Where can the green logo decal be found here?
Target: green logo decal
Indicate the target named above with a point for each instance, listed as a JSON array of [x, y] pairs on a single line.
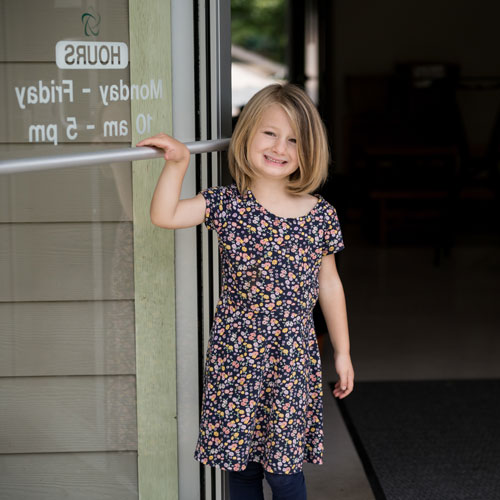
[[91, 22]]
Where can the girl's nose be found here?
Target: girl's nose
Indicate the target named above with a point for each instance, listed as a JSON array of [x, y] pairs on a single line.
[[279, 145]]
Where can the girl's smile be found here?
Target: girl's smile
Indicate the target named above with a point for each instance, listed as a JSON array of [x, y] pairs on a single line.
[[273, 149], [274, 160]]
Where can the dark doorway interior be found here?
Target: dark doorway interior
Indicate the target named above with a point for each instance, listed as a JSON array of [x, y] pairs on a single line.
[[412, 106], [410, 93]]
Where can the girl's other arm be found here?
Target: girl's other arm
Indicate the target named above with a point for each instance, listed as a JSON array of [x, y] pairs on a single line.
[[332, 302], [167, 210]]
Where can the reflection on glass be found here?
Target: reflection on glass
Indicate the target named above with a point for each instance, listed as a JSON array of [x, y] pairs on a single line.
[[67, 361], [259, 37]]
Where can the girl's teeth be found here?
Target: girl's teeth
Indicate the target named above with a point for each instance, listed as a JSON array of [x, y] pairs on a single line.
[[274, 161]]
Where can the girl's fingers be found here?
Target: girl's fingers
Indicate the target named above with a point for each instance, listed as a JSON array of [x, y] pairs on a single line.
[[174, 150], [153, 142], [344, 386], [157, 144], [160, 141], [343, 382]]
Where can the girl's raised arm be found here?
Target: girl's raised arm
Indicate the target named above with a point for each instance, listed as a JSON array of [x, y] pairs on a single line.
[[167, 210]]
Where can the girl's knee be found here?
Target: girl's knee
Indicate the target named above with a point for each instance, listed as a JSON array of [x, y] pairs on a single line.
[[252, 472], [287, 486], [247, 484]]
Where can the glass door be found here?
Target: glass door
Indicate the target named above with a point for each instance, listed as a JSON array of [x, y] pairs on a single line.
[[100, 311]]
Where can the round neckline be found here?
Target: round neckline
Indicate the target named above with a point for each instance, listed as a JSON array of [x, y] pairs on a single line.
[[300, 217]]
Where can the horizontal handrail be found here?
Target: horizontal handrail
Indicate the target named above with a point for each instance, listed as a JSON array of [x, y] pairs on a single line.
[[98, 157]]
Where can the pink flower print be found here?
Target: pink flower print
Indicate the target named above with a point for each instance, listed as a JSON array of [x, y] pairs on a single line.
[[263, 292]]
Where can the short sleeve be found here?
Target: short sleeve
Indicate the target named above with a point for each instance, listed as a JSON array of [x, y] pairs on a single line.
[[333, 241], [215, 211]]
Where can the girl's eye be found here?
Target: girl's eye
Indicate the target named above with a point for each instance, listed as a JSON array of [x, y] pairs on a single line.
[[293, 141], [268, 132]]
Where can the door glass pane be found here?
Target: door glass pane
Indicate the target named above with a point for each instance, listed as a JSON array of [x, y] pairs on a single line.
[[259, 43], [67, 357]]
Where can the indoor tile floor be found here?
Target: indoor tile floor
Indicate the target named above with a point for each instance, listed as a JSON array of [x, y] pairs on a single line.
[[409, 320]]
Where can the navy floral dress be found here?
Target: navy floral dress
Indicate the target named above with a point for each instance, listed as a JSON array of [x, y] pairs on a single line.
[[262, 397]]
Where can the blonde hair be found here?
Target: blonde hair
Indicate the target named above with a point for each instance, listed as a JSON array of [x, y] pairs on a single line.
[[312, 143]]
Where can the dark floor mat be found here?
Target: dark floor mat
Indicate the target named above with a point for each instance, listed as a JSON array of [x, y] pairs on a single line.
[[428, 440]]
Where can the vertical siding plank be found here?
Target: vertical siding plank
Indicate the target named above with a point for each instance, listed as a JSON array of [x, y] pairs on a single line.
[[150, 57]]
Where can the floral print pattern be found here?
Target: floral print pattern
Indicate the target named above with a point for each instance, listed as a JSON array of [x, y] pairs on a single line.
[[262, 397]]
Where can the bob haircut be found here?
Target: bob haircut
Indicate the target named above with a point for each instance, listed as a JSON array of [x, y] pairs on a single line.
[[312, 144]]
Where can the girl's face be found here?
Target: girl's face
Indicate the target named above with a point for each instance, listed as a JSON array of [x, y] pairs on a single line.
[[273, 150]]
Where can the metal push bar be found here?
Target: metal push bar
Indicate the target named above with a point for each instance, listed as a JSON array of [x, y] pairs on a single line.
[[98, 157]]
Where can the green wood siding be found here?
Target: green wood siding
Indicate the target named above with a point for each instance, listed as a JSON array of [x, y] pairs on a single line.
[[154, 266]]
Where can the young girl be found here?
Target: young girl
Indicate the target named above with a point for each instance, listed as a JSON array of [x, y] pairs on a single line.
[[262, 406]]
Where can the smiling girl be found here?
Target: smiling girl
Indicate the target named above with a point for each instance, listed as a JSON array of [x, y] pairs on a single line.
[[262, 402]]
